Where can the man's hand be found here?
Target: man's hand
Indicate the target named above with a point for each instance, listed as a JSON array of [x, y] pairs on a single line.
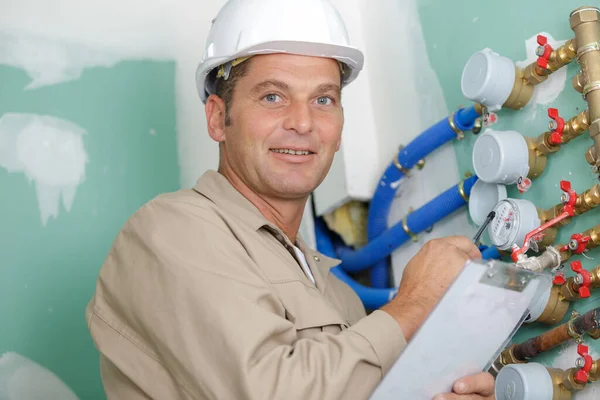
[[474, 387], [426, 278]]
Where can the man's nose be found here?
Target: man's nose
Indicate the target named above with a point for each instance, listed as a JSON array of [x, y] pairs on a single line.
[[299, 118]]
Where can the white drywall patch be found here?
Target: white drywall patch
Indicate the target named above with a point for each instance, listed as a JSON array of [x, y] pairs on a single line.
[[110, 31], [549, 90], [49, 62], [404, 106], [50, 152], [567, 355], [23, 379]]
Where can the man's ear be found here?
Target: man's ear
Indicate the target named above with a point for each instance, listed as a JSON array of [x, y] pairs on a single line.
[[215, 117]]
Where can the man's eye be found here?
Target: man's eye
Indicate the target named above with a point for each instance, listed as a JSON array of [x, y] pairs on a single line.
[[272, 98], [324, 101]]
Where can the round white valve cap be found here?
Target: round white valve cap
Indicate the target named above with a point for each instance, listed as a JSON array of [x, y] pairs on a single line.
[[530, 381], [484, 197], [488, 78], [500, 157]]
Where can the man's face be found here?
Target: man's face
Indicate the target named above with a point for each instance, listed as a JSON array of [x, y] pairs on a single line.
[[286, 124]]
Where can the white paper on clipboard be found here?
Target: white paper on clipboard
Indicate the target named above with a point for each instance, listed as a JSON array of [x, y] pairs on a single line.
[[466, 331]]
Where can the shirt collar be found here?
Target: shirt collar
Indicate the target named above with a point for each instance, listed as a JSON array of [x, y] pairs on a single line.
[[220, 191]]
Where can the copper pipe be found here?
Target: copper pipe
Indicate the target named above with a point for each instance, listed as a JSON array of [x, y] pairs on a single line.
[[562, 333], [585, 22]]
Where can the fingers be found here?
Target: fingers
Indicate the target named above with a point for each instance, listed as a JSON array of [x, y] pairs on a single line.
[[482, 383], [475, 387], [466, 245], [453, 396]]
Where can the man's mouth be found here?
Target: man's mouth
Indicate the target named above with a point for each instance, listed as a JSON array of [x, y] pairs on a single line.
[[293, 152]]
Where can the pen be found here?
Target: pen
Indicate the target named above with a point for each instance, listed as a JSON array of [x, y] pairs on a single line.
[[490, 217]]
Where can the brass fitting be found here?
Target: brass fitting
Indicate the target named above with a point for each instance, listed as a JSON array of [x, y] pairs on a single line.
[[569, 292], [578, 83], [562, 56], [539, 147], [521, 92], [595, 371], [568, 380], [507, 357], [537, 157], [559, 57], [585, 22], [588, 200], [480, 108], [591, 156], [565, 254], [560, 392], [550, 233], [594, 333], [565, 251], [576, 126], [556, 308]]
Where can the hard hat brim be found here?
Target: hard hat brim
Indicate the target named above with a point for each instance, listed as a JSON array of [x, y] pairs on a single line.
[[352, 57]]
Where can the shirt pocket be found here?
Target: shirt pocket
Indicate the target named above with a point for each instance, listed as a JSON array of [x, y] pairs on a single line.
[[308, 310]]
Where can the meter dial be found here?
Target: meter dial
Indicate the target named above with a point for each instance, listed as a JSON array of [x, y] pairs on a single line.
[[514, 219]]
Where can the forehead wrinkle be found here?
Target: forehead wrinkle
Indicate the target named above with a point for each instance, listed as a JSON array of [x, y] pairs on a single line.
[[268, 83]]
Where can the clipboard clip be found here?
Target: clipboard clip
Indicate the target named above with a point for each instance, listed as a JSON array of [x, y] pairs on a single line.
[[505, 276]]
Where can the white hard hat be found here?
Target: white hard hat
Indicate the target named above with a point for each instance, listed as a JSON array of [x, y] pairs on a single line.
[[245, 28]]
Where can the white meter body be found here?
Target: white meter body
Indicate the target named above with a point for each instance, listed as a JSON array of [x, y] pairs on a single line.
[[530, 381], [514, 219], [500, 157]]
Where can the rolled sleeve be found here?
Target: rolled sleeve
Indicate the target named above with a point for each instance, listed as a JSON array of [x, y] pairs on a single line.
[[385, 336]]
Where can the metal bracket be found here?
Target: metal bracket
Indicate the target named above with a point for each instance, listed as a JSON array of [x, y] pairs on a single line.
[[510, 278], [461, 191], [413, 236], [459, 134], [571, 329], [406, 171]]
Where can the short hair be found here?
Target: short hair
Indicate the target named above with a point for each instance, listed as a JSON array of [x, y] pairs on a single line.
[[225, 88]]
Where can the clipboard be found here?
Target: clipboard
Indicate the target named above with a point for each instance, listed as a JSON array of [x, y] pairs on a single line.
[[466, 331]]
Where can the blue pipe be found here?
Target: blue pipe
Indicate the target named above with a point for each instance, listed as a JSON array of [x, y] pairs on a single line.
[[417, 221], [490, 253], [421, 146], [371, 298], [465, 118]]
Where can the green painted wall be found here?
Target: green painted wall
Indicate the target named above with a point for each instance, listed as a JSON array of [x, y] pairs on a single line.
[[453, 32], [48, 273]]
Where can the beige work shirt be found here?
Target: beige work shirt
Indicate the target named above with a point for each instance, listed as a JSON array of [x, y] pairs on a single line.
[[200, 297]]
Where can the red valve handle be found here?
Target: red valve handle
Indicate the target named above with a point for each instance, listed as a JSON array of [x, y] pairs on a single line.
[[567, 211], [542, 60], [583, 373], [582, 242], [569, 206], [584, 288], [557, 134], [559, 279]]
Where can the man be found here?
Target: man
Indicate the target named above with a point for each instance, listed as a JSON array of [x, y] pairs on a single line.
[[209, 293]]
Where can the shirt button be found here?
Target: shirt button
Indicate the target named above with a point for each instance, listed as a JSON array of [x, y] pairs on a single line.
[[317, 258]]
